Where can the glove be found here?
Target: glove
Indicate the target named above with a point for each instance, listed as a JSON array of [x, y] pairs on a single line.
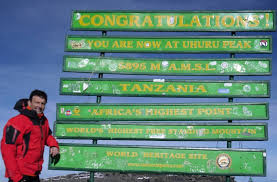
[[55, 159]]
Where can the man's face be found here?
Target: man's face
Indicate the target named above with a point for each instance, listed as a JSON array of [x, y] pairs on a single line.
[[37, 103]]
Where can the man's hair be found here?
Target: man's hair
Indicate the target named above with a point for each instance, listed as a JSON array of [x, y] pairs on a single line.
[[39, 93]]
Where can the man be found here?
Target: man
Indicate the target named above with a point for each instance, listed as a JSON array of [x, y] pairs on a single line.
[[24, 138]]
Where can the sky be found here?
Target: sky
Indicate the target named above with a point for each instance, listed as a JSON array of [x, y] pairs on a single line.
[[32, 35]]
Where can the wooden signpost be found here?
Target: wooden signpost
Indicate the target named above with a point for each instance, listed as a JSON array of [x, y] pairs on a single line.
[[235, 66], [198, 44], [162, 160], [121, 121], [161, 131]]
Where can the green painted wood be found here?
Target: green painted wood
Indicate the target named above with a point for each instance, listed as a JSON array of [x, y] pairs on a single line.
[[160, 131], [164, 88], [253, 20], [162, 112], [204, 44], [238, 162], [239, 66]]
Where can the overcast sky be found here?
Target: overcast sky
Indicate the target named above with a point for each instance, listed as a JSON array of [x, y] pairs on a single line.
[[32, 34]]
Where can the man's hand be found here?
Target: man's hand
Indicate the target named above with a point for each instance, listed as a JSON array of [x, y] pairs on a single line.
[[54, 151], [55, 155]]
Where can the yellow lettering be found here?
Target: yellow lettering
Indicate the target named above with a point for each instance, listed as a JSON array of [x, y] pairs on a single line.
[[100, 20], [241, 21], [255, 21], [172, 67], [128, 112], [170, 22], [185, 66], [195, 20], [147, 20], [168, 45], [181, 22], [208, 44], [208, 67], [215, 44], [158, 87], [175, 43], [124, 86], [170, 87], [217, 21], [197, 67], [140, 44], [134, 20], [239, 45], [160, 20], [147, 87], [115, 44], [90, 42], [156, 44], [225, 43], [109, 21], [201, 88], [81, 20], [136, 87], [231, 22], [120, 112], [247, 44], [180, 87], [198, 156], [208, 20], [97, 112], [129, 44], [185, 44], [121, 20], [156, 66], [69, 130]]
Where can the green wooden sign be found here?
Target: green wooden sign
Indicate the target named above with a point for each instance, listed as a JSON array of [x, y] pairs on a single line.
[[235, 162], [174, 20], [238, 66], [207, 44], [163, 88], [161, 131], [163, 112]]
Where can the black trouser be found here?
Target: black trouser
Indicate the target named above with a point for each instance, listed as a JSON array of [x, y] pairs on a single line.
[[28, 179]]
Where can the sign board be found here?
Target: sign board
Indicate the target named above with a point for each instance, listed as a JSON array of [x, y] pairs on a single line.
[[174, 20], [160, 131], [163, 88], [162, 112], [237, 66], [204, 44], [233, 162]]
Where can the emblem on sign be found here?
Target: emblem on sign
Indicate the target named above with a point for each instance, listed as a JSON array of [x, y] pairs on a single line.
[[68, 112], [77, 44], [263, 43], [76, 111], [223, 161]]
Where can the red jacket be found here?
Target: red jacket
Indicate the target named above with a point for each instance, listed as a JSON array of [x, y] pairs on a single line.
[[22, 145]]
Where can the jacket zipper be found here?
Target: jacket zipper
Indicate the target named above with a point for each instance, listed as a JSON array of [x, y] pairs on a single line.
[[41, 132]]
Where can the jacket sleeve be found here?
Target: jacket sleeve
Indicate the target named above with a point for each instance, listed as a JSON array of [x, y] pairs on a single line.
[[51, 141], [12, 138]]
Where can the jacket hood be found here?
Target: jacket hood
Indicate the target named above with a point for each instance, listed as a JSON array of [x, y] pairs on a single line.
[[21, 104]]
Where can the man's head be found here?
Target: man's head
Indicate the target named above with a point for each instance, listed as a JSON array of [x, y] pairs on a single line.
[[37, 101]]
